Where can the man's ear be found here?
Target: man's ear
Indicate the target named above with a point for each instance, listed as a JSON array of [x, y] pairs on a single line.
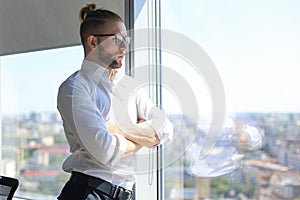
[[92, 42]]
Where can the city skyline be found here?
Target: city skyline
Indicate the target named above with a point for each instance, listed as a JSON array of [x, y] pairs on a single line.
[[254, 46]]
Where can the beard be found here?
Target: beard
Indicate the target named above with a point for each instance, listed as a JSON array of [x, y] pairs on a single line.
[[111, 62], [115, 64], [108, 59]]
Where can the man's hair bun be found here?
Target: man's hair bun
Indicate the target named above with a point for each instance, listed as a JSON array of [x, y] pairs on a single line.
[[95, 20], [86, 10]]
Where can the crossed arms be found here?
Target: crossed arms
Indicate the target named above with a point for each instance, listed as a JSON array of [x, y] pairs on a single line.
[[135, 141]]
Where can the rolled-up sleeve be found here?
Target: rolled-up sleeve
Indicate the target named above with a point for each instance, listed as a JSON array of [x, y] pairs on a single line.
[[87, 125], [154, 116], [131, 104]]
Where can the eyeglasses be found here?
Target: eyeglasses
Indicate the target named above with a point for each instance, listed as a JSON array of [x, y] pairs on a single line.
[[119, 39]]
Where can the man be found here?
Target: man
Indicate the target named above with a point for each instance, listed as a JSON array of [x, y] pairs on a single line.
[[102, 154]]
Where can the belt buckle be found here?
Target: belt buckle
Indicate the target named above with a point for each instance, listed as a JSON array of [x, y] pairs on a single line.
[[115, 194]]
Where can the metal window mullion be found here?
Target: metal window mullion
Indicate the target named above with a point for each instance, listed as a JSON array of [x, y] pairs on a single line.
[[129, 22], [158, 63], [155, 90]]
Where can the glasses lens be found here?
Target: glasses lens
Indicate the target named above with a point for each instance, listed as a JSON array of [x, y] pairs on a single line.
[[127, 40], [120, 39]]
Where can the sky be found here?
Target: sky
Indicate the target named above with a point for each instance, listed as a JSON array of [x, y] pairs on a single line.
[[255, 46], [30, 81]]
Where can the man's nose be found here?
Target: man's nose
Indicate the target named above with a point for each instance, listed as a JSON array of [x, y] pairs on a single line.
[[124, 46]]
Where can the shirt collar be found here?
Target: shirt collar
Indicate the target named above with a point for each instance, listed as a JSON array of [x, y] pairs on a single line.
[[98, 72]]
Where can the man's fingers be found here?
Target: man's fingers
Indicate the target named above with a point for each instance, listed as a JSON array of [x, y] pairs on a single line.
[[141, 120]]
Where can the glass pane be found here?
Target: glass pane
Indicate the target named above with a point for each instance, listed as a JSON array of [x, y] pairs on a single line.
[[146, 182], [33, 141], [254, 48]]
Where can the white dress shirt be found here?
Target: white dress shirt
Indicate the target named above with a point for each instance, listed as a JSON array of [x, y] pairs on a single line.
[[85, 104]]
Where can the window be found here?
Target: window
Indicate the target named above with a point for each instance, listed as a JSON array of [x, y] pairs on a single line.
[[253, 47], [33, 141]]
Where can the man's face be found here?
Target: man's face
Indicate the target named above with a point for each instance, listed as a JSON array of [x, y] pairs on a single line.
[[109, 52]]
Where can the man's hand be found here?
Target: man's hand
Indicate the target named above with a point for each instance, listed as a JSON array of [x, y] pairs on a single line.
[[112, 128], [140, 120], [147, 141], [144, 141], [131, 148]]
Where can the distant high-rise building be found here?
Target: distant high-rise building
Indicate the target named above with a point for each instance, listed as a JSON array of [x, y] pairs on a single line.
[[285, 185], [289, 154]]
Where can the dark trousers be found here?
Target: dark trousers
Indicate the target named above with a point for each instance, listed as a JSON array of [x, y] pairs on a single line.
[[85, 187]]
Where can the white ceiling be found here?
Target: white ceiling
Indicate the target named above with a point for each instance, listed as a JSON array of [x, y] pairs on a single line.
[[31, 25]]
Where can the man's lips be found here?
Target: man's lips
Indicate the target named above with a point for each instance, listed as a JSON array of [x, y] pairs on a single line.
[[120, 57]]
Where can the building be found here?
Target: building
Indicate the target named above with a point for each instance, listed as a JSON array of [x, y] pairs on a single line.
[[289, 154], [285, 185]]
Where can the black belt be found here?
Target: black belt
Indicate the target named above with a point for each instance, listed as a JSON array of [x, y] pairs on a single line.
[[114, 191]]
